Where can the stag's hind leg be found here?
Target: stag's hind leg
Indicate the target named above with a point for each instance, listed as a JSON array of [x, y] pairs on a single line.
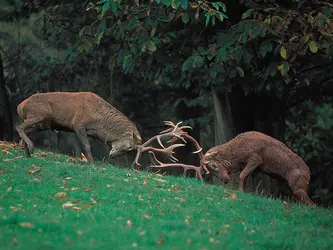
[[253, 162]]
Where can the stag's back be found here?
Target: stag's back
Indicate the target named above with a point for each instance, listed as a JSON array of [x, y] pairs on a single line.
[[275, 154], [70, 109]]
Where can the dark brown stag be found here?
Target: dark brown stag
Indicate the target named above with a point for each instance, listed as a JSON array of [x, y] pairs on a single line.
[[245, 153]]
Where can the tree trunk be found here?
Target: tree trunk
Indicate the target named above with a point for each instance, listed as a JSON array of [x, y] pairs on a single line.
[[6, 121], [223, 124]]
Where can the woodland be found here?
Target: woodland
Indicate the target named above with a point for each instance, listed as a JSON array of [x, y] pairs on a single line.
[[222, 67]]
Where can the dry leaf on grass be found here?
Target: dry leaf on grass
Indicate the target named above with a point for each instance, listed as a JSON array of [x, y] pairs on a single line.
[[232, 196], [147, 216], [160, 241], [93, 201], [83, 158], [67, 204], [145, 183], [5, 152], [27, 224], [140, 197], [61, 196], [129, 223], [76, 208], [33, 171], [159, 180], [180, 199], [86, 205]]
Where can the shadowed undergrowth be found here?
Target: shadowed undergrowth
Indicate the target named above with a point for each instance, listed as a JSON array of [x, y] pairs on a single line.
[[54, 202]]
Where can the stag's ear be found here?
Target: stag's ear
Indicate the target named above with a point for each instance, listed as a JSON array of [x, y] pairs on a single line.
[[210, 154], [137, 138]]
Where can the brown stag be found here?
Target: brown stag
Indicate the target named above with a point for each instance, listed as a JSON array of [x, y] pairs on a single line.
[[245, 153]]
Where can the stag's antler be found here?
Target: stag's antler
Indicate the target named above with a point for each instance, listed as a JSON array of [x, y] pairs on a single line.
[[175, 132], [158, 164]]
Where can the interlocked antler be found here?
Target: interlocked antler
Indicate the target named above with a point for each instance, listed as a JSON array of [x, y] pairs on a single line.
[[174, 132]]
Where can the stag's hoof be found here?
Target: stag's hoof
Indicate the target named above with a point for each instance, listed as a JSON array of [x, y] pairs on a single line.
[[31, 148]]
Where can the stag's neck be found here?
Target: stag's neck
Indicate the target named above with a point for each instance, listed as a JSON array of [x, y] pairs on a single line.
[[114, 125]]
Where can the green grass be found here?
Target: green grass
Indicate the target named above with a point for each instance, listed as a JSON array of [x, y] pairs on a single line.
[[116, 208]]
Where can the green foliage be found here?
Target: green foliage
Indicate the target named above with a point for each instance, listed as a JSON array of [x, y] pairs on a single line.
[[315, 123], [141, 210]]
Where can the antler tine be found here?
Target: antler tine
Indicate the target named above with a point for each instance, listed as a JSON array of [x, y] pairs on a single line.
[[153, 158], [197, 170], [171, 125]]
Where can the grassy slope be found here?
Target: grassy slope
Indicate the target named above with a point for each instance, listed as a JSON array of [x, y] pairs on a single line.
[[141, 210]]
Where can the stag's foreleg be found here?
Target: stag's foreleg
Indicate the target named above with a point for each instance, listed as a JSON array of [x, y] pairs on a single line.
[[252, 163], [82, 135], [27, 127]]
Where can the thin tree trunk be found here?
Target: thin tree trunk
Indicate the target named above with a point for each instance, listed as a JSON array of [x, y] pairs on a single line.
[[6, 121], [223, 124]]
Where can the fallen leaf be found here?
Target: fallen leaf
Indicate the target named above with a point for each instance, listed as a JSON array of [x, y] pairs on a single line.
[[161, 240], [67, 204], [147, 216], [5, 160], [83, 158], [145, 183], [86, 189], [74, 188], [76, 208], [27, 224], [140, 197], [93, 201], [134, 244], [159, 180], [187, 221], [36, 180], [222, 232], [9, 189], [161, 212], [68, 178], [54, 221], [5, 152], [179, 199], [211, 240], [232, 196], [129, 223], [61, 196], [33, 171], [86, 205]]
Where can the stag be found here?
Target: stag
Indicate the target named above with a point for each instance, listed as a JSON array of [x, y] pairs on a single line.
[[245, 153]]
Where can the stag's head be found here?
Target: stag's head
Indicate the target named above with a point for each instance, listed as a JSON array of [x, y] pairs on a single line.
[[129, 142], [216, 164]]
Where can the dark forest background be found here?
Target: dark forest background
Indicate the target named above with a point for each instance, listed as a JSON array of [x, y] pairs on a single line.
[[221, 67]]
